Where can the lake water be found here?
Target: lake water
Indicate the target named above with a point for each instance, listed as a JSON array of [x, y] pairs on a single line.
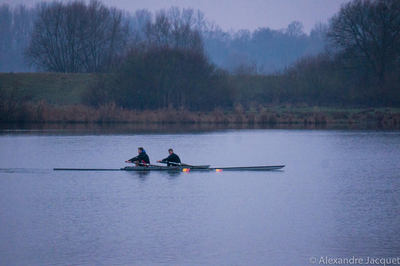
[[338, 196]]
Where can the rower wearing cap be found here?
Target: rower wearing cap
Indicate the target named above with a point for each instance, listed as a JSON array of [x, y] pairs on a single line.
[[172, 159], [141, 160]]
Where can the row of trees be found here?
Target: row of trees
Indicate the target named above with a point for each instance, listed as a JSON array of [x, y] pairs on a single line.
[[264, 50], [73, 28], [75, 37]]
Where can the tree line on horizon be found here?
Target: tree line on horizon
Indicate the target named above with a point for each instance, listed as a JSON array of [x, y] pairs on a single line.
[[263, 51], [166, 60]]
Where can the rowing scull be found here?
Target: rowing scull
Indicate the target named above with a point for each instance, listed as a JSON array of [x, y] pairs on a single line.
[[179, 168]]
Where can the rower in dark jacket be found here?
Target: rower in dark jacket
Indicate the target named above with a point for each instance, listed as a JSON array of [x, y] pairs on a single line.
[[141, 160], [172, 159]]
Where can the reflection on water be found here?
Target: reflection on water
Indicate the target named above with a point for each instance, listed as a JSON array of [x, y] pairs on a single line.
[[144, 174], [336, 197]]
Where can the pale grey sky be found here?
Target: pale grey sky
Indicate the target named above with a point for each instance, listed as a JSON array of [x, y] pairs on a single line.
[[240, 14]]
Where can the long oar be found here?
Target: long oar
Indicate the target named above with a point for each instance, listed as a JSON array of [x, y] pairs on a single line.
[[85, 169]]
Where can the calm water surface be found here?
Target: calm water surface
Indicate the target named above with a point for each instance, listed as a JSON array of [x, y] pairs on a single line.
[[338, 196]]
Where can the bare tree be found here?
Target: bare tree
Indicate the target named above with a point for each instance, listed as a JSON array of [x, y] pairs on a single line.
[[176, 28], [295, 29], [75, 37], [369, 31], [138, 22]]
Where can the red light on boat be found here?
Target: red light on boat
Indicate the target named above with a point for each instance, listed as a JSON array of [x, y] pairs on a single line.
[[186, 170], [218, 170]]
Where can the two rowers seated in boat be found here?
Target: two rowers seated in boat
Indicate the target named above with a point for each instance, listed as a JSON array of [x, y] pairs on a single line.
[[143, 159]]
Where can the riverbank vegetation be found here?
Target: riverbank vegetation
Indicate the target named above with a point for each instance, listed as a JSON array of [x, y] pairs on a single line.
[[42, 112]]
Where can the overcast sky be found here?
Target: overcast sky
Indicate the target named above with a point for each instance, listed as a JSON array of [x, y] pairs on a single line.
[[240, 14]]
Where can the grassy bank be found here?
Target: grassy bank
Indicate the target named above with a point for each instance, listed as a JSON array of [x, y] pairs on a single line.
[[52, 88], [59, 98]]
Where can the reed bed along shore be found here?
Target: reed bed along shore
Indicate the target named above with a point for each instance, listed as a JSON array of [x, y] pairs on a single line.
[[46, 113]]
